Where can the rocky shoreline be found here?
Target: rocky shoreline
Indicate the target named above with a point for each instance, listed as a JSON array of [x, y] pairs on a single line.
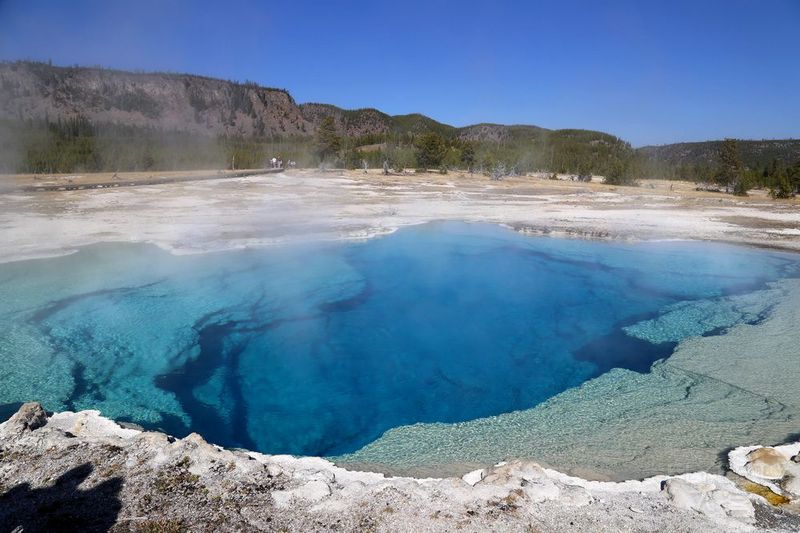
[[81, 471]]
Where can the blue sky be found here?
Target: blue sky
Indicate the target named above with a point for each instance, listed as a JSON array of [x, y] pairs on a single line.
[[650, 72]]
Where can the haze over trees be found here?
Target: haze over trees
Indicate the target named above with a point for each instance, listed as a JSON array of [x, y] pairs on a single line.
[[61, 120]]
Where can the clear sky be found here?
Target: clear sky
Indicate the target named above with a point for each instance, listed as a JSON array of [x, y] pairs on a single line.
[[647, 71]]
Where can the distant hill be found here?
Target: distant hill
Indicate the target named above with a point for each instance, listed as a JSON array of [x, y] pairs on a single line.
[[365, 122], [196, 104], [500, 133], [65, 118], [350, 123], [755, 154]]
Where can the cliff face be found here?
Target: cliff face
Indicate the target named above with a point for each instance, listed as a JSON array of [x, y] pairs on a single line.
[[182, 102], [161, 101]]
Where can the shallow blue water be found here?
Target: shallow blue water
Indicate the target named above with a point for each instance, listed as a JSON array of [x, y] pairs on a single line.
[[320, 349]]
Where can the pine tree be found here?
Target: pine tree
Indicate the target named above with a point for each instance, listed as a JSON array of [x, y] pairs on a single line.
[[794, 177], [327, 141], [431, 149], [730, 172], [784, 187], [468, 155]]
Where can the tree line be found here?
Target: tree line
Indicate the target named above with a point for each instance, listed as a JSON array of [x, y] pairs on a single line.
[[576, 152], [782, 180], [78, 145]]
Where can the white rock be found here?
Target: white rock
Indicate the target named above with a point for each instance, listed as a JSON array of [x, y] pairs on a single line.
[[513, 473], [576, 496], [325, 476], [682, 494], [282, 498], [313, 492], [735, 505], [792, 469], [273, 470], [767, 463], [541, 490], [791, 484], [707, 499], [459, 491], [91, 425], [29, 417], [473, 477], [352, 489]]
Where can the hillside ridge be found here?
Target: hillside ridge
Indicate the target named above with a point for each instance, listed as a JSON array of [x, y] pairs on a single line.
[[200, 104], [78, 102]]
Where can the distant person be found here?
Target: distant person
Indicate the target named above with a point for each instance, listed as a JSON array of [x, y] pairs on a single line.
[[274, 162]]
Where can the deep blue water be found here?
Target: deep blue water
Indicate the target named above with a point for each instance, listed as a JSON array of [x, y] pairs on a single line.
[[319, 349]]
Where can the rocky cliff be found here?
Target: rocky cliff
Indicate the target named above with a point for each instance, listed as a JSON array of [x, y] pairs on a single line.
[[180, 102], [194, 104]]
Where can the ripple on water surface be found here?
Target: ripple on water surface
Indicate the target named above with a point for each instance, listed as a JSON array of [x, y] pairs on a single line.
[[322, 349]]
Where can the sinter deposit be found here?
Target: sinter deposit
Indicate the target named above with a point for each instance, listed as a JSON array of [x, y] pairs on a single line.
[[105, 476]]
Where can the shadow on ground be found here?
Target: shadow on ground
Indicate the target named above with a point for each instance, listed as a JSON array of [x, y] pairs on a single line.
[[63, 506]]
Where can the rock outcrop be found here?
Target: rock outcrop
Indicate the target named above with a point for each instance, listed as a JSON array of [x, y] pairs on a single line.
[[709, 499], [29, 417], [180, 102], [775, 468], [767, 463], [81, 468], [201, 105]]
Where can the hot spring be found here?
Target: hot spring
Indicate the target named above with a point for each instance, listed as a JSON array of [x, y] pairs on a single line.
[[437, 347]]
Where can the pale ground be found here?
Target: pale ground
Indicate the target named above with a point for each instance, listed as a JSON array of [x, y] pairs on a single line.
[[8, 181], [82, 470], [260, 210], [311, 494]]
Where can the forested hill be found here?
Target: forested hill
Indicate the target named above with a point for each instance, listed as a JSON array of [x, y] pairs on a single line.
[[59, 119], [201, 105], [692, 158], [64, 119], [182, 102]]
